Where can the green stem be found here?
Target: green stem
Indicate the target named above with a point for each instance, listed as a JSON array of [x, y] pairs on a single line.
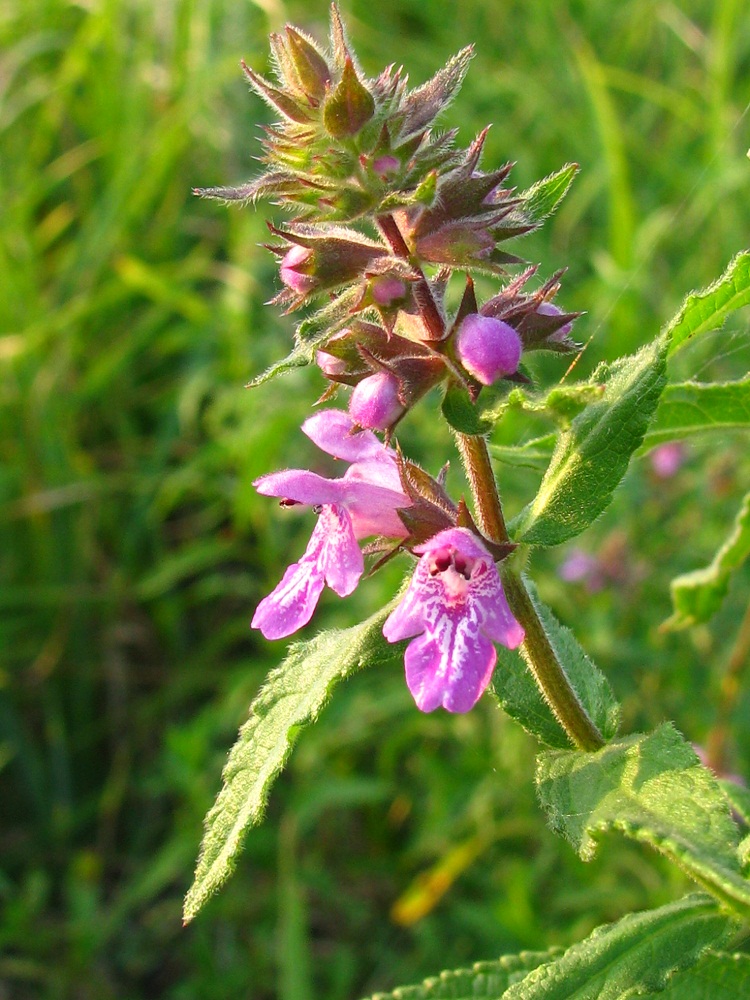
[[476, 461], [547, 671], [536, 649]]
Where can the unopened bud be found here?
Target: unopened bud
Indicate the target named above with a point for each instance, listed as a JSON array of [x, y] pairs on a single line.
[[550, 309], [291, 274], [386, 290], [330, 365], [385, 166], [349, 107], [488, 348], [375, 403]]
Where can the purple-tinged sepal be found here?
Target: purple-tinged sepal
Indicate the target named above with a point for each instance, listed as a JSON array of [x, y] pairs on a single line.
[[349, 107]]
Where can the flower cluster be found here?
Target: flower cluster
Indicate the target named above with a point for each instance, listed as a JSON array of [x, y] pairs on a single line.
[[386, 212]]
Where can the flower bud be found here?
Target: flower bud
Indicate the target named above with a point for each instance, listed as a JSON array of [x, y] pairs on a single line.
[[375, 402], [488, 348], [349, 107], [291, 274], [550, 309], [330, 365], [386, 290], [386, 165]]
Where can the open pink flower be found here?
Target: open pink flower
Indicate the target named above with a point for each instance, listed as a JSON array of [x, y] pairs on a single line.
[[362, 502], [455, 607]]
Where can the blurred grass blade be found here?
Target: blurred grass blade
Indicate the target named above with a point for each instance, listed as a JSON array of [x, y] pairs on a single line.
[[293, 695], [653, 789], [708, 309], [698, 595]]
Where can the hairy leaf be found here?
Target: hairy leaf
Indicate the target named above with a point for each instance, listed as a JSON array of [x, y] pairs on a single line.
[[519, 695], [715, 977], [697, 596], [541, 199], [483, 981], [653, 789], [696, 407], [739, 799], [592, 456], [628, 958], [299, 357], [293, 695], [708, 309]]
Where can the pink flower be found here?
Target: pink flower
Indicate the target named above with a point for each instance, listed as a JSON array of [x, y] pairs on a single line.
[[455, 607], [667, 459], [362, 502]]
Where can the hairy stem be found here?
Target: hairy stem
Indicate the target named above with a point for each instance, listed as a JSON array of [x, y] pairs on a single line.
[[476, 461], [536, 648], [547, 671]]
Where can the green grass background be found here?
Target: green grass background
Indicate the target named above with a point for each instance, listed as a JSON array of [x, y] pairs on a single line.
[[133, 548]]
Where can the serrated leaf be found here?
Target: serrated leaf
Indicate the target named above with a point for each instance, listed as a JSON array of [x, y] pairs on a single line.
[[483, 981], [694, 408], [708, 309], [292, 696], [541, 199], [592, 456], [715, 977], [518, 693], [653, 789], [697, 596], [628, 958]]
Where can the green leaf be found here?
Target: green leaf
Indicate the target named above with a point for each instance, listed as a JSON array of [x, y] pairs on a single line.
[[299, 357], [696, 407], [739, 798], [653, 789], [697, 596], [592, 456], [708, 309], [715, 977], [519, 695], [531, 454], [483, 981], [628, 958], [293, 695], [541, 199], [465, 416]]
